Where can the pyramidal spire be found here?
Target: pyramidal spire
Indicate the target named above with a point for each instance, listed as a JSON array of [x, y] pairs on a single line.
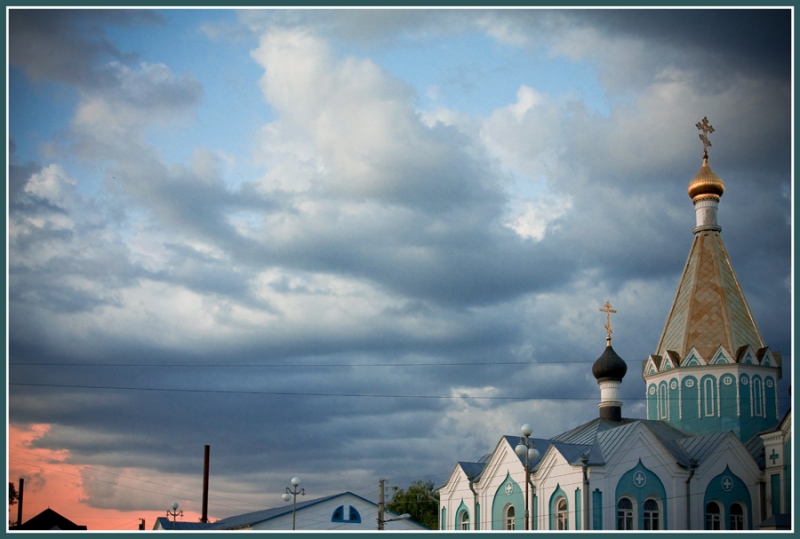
[[709, 309]]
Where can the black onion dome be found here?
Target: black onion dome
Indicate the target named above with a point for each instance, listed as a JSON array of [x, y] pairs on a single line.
[[609, 366]]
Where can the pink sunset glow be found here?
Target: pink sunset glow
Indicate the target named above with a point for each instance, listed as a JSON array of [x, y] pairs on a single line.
[[52, 482]]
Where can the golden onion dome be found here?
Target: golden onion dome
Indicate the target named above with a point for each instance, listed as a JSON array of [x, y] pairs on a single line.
[[706, 182]]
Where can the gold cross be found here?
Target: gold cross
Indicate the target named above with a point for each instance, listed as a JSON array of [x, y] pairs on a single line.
[[706, 129], [608, 310]]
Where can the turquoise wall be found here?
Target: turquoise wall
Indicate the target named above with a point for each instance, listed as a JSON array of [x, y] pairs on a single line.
[[639, 484], [559, 493], [461, 509], [597, 509], [502, 498], [727, 489], [707, 404]]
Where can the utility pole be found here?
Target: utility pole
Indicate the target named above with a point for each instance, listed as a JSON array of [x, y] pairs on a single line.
[[380, 503], [204, 516], [19, 500]]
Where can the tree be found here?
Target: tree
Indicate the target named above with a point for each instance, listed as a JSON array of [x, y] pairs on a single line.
[[13, 495], [420, 501]]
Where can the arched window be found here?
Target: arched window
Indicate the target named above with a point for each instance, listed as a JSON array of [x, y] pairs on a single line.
[[624, 514], [712, 516], [709, 396], [509, 518], [662, 401], [651, 515], [561, 514], [737, 517], [758, 396], [463, 521]]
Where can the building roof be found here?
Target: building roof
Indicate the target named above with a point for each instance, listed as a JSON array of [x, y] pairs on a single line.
[[164, 523], [49, 520], [248, 520], [709, 308]]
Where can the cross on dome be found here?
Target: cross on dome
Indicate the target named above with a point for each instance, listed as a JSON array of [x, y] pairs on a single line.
[[706, 129], [608, 310]]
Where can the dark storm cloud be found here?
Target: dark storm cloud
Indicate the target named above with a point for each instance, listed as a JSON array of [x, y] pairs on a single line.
[[392, 252], [67, 45], [720, 42]]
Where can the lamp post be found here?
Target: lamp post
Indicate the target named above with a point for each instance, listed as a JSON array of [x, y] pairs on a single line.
[[293, 493], [174, 514], [526, 448]]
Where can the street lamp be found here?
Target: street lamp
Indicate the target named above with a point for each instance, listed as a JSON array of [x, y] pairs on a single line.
[[175, 513], [293, 493], [526, 448]]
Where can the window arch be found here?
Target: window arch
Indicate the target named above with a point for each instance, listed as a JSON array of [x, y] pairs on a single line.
[[736, 517], [463, 520], [713, 516], [561, 514], [652, 515], [508, 518], [709, 398], [624, 514], [663, 401], [758, 396]]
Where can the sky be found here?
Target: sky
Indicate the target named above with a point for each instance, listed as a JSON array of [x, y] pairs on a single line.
[[355, 244]]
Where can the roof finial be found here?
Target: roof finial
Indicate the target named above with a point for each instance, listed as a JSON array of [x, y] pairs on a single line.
[[608, 310], [706, 129]]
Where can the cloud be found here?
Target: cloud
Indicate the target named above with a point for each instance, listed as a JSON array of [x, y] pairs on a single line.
[[67, 45], [387, 280]]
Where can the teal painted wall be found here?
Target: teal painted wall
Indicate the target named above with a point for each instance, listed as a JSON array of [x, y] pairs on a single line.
[[652, 401], [597, 509], [639, 484], [461, 509], [727, 489], [502, 499], [775, 492], [674, 400], [705, 404], [787, 474], [578, 509], [559, 493]]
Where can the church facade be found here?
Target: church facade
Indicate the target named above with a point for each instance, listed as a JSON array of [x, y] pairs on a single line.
[[713, 452]]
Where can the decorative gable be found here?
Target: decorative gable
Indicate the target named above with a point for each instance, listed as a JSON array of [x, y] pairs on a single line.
[[651, 365], [767, 359], [667, 364], [746, 356], [693, 359], [721, 357]]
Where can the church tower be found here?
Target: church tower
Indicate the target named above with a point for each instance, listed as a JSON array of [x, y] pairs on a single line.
[[711, 371]]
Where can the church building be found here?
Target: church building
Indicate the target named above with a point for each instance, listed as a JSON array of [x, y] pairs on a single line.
[[713, 452]]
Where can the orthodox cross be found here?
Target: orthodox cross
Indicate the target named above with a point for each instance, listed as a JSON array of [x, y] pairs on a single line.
[[774, 456], [706, 129], [608, 310]]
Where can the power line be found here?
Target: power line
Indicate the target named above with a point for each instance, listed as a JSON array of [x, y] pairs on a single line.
[[307, 394], [295, 365]]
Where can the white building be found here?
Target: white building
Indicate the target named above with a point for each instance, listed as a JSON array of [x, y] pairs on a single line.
[[342, 512], [713, 452]]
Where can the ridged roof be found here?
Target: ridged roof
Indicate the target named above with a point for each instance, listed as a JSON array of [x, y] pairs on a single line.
[[709, 309]]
